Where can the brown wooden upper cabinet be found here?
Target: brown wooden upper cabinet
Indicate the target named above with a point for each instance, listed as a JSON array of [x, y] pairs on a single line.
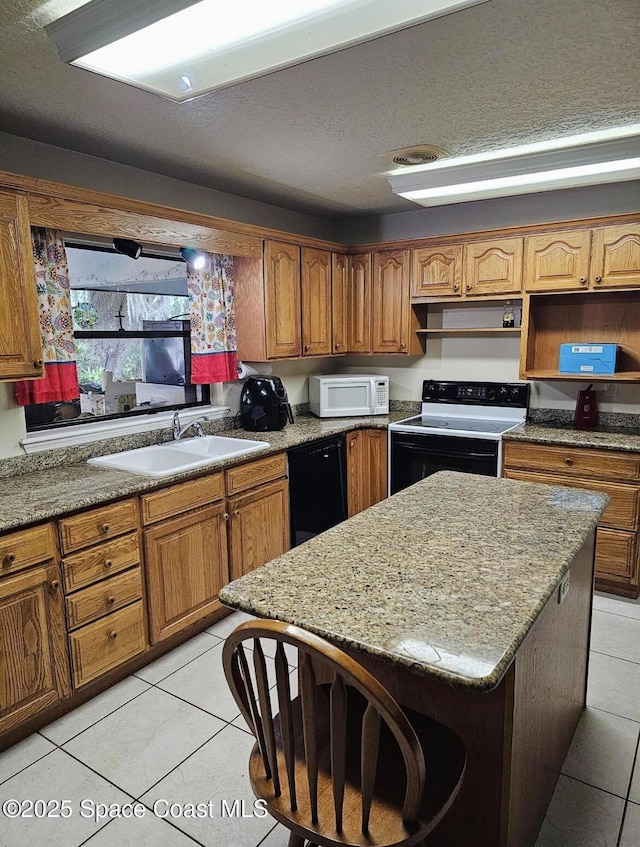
[[20, 342], [573, 260], [339, 300], [493, 267], [437, 271], [391, 301], [359, 304], [282, 299], [316, 273]]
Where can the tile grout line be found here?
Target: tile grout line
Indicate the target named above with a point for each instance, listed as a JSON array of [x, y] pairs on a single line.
[[208, 650]]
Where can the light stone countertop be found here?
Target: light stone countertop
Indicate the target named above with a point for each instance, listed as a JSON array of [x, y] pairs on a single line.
[[30, 497], [444, 578]]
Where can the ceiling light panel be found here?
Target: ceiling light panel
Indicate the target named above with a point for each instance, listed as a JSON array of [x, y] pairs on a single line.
[[183, 49], [508, 173]]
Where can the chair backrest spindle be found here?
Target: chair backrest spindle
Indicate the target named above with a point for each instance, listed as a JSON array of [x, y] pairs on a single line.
[[369, 760], [286, 719], [338, 744], [307, 678], [260, 669]]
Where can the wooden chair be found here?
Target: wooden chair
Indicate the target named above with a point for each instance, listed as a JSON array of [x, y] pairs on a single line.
[[342, 763]]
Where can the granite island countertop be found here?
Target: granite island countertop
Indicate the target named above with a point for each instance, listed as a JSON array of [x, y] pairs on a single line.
[[444, 578], [57, 489]]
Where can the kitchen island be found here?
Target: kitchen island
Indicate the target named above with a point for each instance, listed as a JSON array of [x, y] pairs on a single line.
[[469, 597]]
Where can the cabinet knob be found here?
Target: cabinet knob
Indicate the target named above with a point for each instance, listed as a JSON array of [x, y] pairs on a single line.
[[337, 345], [113, 635], [225, 516], [456, 287], [54, 585], [37, 363], [111, 600], [583, 280], [236, 513], [108, 563], [403, 346], [598, 279], [468, 286], [306, 348], [104, 527], [9, 559], [568, 461]]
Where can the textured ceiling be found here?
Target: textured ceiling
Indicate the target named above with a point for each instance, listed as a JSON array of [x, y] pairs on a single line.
[[313, 137]]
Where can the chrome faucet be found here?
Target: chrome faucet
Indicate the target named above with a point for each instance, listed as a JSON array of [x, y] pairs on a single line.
[[179, 432]]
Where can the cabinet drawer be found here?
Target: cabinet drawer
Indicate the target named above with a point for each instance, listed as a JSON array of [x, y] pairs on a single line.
[[98, 600], [98, 524], [615, 552], [255, 473], [605, 464], [101, 561], [105, 644], [181, 498], [27, 547], [622, 511]]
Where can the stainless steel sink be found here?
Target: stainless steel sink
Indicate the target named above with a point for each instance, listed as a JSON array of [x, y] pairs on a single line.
[[176, 456]]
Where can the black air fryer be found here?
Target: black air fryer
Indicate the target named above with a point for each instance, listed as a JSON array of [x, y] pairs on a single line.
[[264, 405]]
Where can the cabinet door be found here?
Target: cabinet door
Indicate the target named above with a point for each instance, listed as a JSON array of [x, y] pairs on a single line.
[[615, 256], [391, 302], [316, 302], [187, 565], [282, 295], [20, 342], [437, 271], [557, 261], [359, 304], [493, 267], [366, 468], [34, 668], [339, 285], [259, 527]]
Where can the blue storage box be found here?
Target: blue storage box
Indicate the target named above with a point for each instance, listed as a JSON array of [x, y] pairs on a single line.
[[588, 358]]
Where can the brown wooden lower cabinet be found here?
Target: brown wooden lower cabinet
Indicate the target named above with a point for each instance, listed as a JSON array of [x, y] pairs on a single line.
[[187, 565], [258, 527], [614, 473], [34, 668], [366, 468]]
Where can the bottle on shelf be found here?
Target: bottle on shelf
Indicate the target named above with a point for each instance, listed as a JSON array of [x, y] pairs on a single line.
[[508, 315]]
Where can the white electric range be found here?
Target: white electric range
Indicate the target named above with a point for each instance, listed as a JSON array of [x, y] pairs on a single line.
[[460, 428]]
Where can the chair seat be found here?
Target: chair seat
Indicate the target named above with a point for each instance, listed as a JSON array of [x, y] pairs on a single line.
[[443, 752]]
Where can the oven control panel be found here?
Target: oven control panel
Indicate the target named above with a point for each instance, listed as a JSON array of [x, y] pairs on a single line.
[[512, 394]]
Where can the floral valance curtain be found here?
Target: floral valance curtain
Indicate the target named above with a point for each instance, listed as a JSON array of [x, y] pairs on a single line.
[[213, 325], [60, 381]]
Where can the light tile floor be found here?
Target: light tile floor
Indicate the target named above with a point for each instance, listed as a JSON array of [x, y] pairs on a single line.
[[171, 734]]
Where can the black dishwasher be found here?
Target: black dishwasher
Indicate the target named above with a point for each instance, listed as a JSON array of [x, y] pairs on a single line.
[[317, 487]]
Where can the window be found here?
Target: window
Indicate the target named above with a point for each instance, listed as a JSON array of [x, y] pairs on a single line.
[[131, 325]]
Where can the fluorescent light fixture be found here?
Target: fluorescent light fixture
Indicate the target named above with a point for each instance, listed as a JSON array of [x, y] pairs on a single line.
[[588, 159], [182, 49]]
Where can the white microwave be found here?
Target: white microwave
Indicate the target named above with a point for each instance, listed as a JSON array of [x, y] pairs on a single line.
[[348, 395]]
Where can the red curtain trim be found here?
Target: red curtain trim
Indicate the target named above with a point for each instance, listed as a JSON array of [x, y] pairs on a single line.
[[59, 383], [213, 367]]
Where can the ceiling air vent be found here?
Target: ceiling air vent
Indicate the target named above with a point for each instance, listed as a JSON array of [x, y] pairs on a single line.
[[421, 154]]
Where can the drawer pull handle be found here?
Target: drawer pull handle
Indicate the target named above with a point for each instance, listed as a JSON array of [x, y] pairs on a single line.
[[54, 585], [583, 280], [37, 363], [9, 559], [598, 279], [104, 527], [456, 287], [468, 286], [113, 635], [111, 600], [568, 461], [108, 563]]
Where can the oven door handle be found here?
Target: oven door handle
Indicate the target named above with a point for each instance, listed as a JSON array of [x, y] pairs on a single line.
[[445, 454]]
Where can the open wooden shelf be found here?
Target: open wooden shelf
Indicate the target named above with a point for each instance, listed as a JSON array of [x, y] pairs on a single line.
[[619, 376], [469, 330], [602, 317]]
